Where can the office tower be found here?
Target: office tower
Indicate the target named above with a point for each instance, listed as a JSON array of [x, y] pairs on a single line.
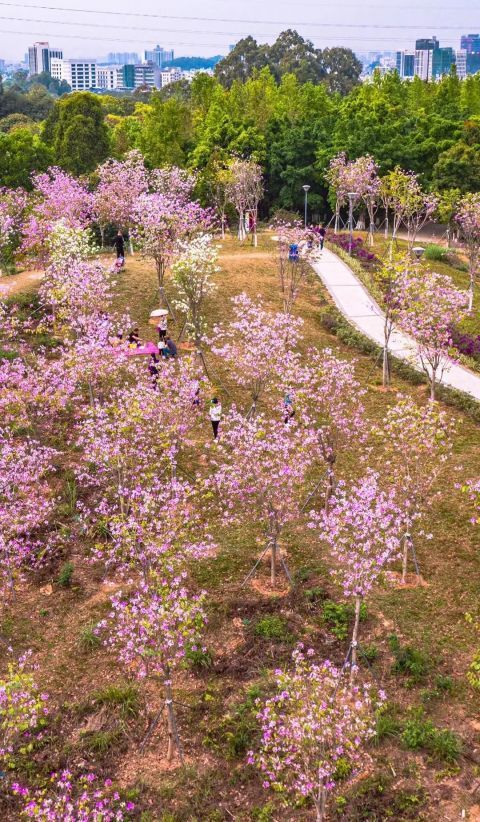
[[405, 64], [470, 43], [120, 58], [39, 57]]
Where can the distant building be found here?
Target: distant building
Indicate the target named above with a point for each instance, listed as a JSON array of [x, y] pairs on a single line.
[[147, 74], [405, 64], [115, 77], [80, 74], [2, 65], [461, 61], [172, 75], [158, 56], [442, 61], [121, 58], [473, 63], [470, 43], [40, 56]]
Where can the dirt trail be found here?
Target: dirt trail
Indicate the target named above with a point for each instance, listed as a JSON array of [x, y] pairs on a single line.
[[25, 281]]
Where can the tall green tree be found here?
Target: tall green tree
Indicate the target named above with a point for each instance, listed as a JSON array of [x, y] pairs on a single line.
[[77, 133]]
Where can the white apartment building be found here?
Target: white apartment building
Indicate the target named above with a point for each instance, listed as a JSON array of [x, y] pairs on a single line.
[[172, 75], [461, 62], [424, 64], [81, 75], [110, 77]]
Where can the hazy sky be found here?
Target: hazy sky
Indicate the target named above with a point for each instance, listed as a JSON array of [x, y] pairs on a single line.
[[362, 26]]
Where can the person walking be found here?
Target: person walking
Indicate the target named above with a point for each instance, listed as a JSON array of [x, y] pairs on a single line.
[[321, 236], [215, 415], [119, 244]]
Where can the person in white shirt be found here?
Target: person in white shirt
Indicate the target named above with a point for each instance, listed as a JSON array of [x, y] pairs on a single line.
[[162, 327], [215, 414]]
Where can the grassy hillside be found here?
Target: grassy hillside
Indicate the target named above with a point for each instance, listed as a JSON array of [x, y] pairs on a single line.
[[426, 758]]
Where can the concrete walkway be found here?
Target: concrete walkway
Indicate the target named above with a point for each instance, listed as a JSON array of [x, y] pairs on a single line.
[[355, 302]]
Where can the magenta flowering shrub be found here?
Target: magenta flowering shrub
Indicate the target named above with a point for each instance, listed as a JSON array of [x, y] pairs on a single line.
[[357, 249], [120, 184], [74, 799], [315, 720], [468, 219], [472, 489], [13, 203]]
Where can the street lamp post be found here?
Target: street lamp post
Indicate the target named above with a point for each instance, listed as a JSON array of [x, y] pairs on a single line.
[[306, 190], [352, 196]]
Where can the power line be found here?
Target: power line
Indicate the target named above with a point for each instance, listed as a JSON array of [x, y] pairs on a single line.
[[198, 19], [344, 39]]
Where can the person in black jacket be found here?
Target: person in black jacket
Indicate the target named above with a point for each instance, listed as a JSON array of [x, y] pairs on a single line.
[[119, 244]]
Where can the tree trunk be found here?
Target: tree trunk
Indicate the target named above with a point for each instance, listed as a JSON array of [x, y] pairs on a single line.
[[433, 384], [337, 219], [406, 545], [320, 802], [273, 563], [171, 723], [386, 368], [387, 225], [102, 235], [330, 486], [356, 624], [130, 244], [471, 290]]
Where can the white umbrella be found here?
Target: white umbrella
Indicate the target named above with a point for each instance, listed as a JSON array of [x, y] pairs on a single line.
[[159, 312]]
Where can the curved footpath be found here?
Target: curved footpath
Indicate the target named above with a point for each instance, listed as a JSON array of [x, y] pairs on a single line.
[[359, 307]]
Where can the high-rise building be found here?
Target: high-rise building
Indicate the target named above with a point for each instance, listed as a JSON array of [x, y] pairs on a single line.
[[470, 43], [122, 57], [405, 64], [426, 44], [473, 63], [40, 56], [147, 74], [159, 56], [461, 61], [442, 61]]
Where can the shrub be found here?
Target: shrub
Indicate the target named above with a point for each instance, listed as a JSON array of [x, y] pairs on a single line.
[[473, 673], [65, 575], [89, 640], [337, 615], [435, 253], [199, 658], [123, 696], [388, 724], [420, 733], [408, 661], [272, 626], [241, 725]]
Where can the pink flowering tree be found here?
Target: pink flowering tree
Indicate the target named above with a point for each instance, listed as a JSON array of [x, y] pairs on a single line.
[[163, 532], [57, 196], [329, 399], [172, 182], [13, 203], [429, 308], [337, 177], [193, 274], [161, 223], [417, 441], [75, 289], [468, 219], [292, 268], [409, 203], [245, 191], [314, 722], [368, 184], [138, 433], [388, 280], [257, 347], [150, 632], [259, 471], [363, 529], [25, 505], [120, 184], [23, 709], [70, 798]]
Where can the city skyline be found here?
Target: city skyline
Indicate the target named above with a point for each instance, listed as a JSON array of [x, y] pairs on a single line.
[[89, 32]]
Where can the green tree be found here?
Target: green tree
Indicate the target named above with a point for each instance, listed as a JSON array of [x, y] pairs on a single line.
[[167, 131], [21, 153], [77, 133]]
